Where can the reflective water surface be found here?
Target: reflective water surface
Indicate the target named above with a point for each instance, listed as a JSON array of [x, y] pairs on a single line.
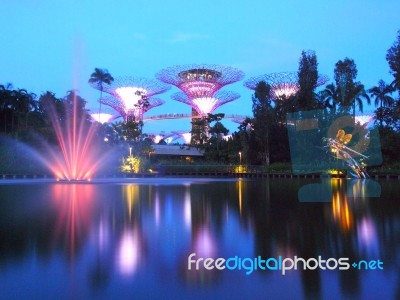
[[132, 239]]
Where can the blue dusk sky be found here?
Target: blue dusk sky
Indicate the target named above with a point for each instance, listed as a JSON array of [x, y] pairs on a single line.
[[55, 45]]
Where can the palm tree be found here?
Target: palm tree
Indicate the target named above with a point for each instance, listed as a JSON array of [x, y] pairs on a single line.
[[381, 94], [329, 97], [98, 78], [359, 93]]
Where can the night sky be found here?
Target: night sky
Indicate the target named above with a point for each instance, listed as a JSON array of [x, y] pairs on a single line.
[[55, 45]]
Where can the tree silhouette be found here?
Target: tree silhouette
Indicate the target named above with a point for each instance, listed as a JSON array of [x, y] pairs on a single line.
[[98, 78], [393, 58], [382, 93]]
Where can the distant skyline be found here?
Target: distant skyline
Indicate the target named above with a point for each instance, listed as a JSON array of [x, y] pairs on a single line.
[[51, 46]]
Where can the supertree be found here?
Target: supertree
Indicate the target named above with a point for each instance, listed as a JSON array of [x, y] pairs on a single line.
[[198, 81], [128, 108], [131, 96], [206, 105], [156, 138], [106, 116], [283, 84], [186, 136], [102, 117]]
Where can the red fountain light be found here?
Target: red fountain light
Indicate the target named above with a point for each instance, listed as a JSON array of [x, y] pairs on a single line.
[[76, 158], [74, 207]]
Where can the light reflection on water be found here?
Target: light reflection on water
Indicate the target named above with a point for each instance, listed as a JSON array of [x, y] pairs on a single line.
[[115, 240]]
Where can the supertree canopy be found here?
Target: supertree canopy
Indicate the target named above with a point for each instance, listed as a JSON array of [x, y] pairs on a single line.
[[283, 84], [200, 81], [102, 117], [127, 109], [132, 96], [186, 136], [206, 105]]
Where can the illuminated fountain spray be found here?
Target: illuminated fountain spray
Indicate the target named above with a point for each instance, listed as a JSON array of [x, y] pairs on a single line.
[[76, 157]]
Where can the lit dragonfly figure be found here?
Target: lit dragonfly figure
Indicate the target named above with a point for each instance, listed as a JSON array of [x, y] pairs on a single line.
[[341, 151]]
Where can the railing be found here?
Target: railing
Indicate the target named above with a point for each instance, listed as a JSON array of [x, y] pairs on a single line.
[[193, 169], [187, 116]]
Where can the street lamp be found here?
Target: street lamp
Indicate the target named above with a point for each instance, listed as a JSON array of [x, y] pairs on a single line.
[[240, 158]]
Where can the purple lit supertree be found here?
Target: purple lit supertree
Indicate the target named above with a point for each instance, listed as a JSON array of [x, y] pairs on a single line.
[[106, 116], [156, 138], [131, 97], [102, 117], [126, 109], [186, 136], [283, 84], [202, 80], [200, 83], [206, 105]]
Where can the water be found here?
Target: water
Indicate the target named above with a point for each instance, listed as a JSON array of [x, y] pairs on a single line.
[[132, 238]]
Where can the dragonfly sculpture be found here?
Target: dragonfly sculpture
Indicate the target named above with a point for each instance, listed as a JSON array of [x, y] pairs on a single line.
[[338, 146]]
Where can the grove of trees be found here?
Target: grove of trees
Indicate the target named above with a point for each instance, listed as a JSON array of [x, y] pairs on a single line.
[[260, 140]]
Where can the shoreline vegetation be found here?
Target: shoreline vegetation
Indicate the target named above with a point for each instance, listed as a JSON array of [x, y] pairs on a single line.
[[283, 170]]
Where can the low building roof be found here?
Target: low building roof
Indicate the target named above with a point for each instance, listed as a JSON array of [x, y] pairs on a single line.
[[176, 150]]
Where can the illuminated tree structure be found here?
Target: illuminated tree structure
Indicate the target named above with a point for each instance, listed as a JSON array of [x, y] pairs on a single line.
[[200, 81], [102, 117], [125, 107], [132, 97], [186, 136], [283, 84], [206, 105], [157, 138]]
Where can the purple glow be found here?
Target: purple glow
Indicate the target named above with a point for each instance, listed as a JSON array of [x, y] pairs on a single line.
[[125, 93], [102, 117], [187, 209], [283, 84], [198, 81], [186, 136], [76, 158], [130, 96], [204, 244], [129, 253], [206, 105], [130, 110]]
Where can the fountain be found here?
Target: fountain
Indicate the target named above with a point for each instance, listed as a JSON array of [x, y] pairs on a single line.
[[77, 157]]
